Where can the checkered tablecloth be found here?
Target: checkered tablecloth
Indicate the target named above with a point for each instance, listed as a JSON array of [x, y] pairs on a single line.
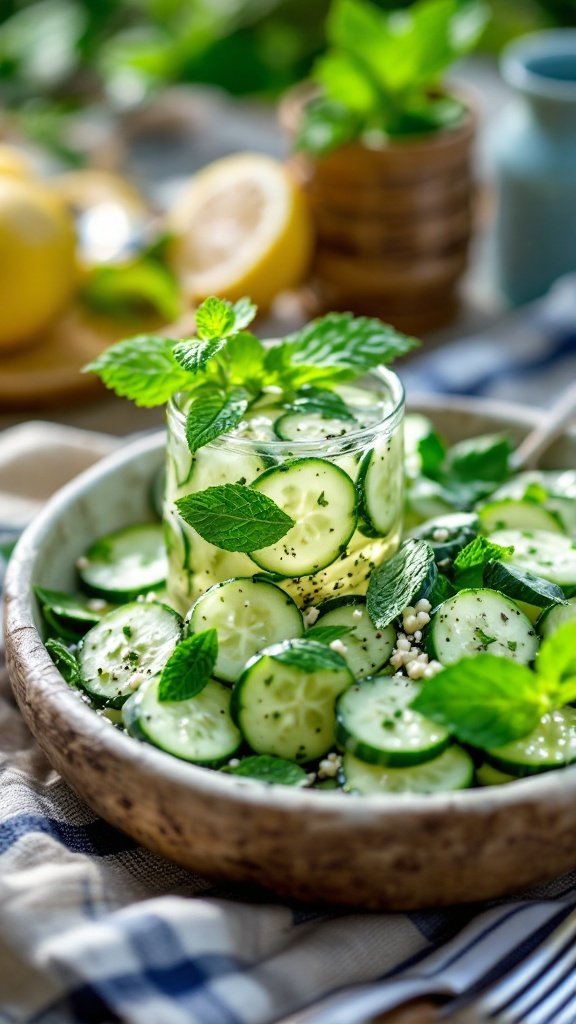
[[96, 930]]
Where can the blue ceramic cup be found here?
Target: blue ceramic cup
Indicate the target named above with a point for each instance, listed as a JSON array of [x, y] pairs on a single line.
[[535, 151]]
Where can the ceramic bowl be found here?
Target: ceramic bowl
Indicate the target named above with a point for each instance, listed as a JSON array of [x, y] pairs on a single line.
[[373, 852]]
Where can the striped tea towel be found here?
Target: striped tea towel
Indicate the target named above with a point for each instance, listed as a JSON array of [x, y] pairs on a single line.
[[96, 930]]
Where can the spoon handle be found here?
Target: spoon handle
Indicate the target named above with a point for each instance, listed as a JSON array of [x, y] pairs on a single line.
[[528, 453]]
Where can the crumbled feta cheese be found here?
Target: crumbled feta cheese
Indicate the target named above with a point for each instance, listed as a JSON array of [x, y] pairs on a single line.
[[329, 766], [96, 604], [410, 623], [311, 778], [423, 606], [136, 680], [233, 762], [432, 669], [82, 562], [338, 647], [441, 535], [151, 596], [357, 613], [310, 616]]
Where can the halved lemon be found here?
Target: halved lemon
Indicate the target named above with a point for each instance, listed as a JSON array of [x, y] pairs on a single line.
[[242, 227]]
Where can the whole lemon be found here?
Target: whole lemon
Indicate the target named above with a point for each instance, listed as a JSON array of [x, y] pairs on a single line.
[[37, 259], [14, 163]]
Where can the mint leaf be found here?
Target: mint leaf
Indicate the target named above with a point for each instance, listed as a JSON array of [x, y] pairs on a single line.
[[189, 667], [142, 368], [244, 311], [441, 590], [325, 125], [336, 347], [212, 414], [214, 319], [308, 656], [556, 663], [432, 451], [400, 581], [522, 585], [217, 318], [245, 360], [485, 458], [193, 355], [327, 634], [64, 661], [470, 562], [327, 403], [267, 768], [235, 517], [486, 700]]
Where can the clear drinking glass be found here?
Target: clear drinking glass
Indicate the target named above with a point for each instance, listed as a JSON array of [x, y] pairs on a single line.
[[195, 565]]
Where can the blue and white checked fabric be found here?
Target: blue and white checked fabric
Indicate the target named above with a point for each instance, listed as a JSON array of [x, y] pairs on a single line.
[[96, 930]]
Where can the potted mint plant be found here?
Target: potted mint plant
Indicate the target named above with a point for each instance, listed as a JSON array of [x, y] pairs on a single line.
[[382, 148]]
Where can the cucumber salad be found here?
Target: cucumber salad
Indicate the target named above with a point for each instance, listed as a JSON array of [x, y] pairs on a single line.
[[274, 621]]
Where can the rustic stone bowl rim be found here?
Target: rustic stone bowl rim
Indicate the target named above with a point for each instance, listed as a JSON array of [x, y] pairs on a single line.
[[19, 615]]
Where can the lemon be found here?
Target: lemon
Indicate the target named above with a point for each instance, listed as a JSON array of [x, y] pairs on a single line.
[[37, 259], [14, 163], [242, 227]]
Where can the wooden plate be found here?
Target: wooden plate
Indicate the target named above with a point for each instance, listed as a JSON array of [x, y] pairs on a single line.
[[48, 372]]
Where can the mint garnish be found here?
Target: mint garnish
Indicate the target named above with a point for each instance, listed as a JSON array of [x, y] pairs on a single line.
[[64, 660], [235, 517], [489, 701], [400, 581], [223, 357], [189, 667], [327, 634], [470, 562], [214, 414], [308, 656], [267, 768]]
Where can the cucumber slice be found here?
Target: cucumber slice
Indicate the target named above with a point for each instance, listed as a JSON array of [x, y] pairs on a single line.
[[380, 486], [287, 709], [487, 775], [70, 616], [215, 465], [551, 745], [521, 515], [559, 482], [480, 620], [366, 649], [551, 555], [375, 723], [248, 615], [200, 730], [552, 618], [126, 563], [312, 426], [127, 647], [522, 585], [452, 770], [321, 499], [448, 534]]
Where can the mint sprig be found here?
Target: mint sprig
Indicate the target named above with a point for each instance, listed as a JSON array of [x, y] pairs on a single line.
[[308, 656], [490, 701], [235, 517], [224, 357], [327, 634], [189, 667]]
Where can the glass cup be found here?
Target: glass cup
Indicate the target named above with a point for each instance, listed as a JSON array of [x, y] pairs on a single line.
[[195, 564]]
